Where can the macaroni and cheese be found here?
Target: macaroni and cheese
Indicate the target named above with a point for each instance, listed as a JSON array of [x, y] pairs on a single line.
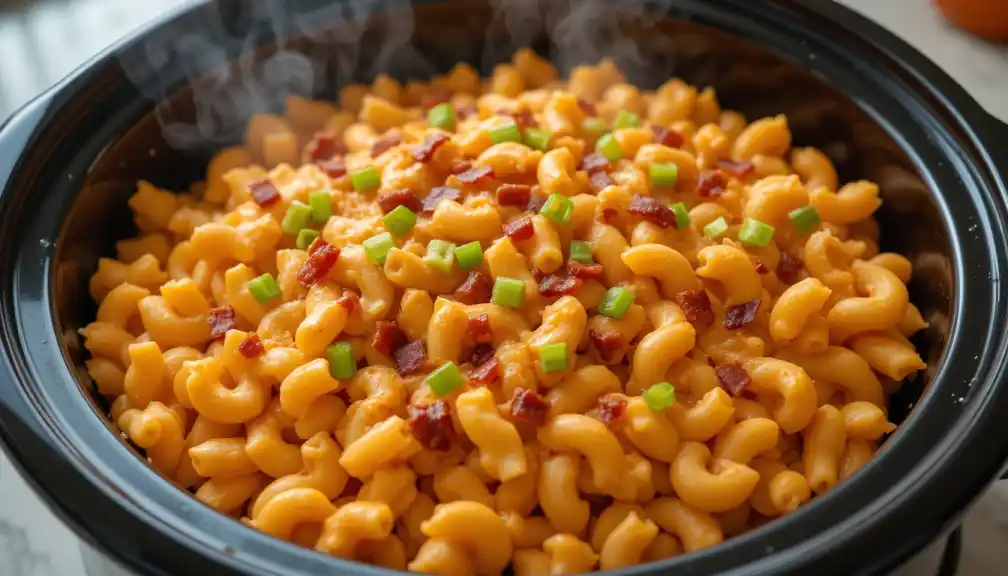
[[472, 324]]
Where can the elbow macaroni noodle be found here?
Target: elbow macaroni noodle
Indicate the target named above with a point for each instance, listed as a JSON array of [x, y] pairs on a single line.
[[333, 462]]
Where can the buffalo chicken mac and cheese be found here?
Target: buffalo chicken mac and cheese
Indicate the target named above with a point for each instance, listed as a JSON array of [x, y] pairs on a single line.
[[471, 324]]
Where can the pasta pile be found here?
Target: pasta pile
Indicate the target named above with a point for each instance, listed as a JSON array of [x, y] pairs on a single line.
[[471, 324]]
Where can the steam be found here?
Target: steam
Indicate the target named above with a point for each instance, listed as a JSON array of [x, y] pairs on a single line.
[[592, 30], [346, 42]]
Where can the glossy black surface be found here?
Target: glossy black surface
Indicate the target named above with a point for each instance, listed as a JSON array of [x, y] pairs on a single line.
[[69, 161]]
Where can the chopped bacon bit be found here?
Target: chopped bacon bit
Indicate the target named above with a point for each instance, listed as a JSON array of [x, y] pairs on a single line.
[[606, 343], [520, 229], [221, 320], [740, 169], [761, 268], [712, 183], [535, 203], [653, 211], [476, 175], [388, 201], [475, 289], [463, 112], [251, 346], [479, 328], [424, 151], [529, 406], [460, 166], [587, 107], [789, 268], [584, 271], [740, 315], [432, 425], [434, 97], [487, 370], [514, 195], [596, 162], [388, 337], [350, 301], [696, 305], [437, 194], [609, 213], [319, 264], [316, 244], [333, 168], [324, 147], [486, 373], [409, 359], [553, 285], [481, 354], [600, 181], [384, 143], [263, 192], [732, 377], [667, 137], [610, 409], [524, 119]]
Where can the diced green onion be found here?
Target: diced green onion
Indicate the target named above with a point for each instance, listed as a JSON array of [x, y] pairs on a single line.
[[341, 360], [400, 220], [508, 292], [715, 228], [594, 125], [558, 208], [804, 219], [321, 205], [581, 252], [440, 255], [664, 174], [609, 147], [445, 379], [377, 247], [682, 220], [442, 116], [305, 238], [537, 138], [755, 233], [660, 396], [264, 288], [296, 217], [616, 301], [469, 255], [505, 133], [553, 357], [366, 179], [626, 119]]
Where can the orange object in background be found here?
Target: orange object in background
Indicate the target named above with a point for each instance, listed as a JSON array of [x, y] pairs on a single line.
[[986, 18]]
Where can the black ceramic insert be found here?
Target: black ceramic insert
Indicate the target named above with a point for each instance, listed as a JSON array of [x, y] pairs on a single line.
[[156, 105]]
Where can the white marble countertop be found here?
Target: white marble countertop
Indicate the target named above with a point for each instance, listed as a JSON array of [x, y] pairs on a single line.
[[34, 543]]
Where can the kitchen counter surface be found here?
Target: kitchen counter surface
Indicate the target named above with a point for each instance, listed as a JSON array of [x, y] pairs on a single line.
[[37, 52]]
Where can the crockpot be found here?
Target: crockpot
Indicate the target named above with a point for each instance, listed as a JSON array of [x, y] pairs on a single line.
[[158, 103]]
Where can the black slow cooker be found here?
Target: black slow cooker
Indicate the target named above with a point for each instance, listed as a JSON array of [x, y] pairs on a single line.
[[157, 104]]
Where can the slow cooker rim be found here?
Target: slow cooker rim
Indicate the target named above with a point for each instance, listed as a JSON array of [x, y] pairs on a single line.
[[961, 100]]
